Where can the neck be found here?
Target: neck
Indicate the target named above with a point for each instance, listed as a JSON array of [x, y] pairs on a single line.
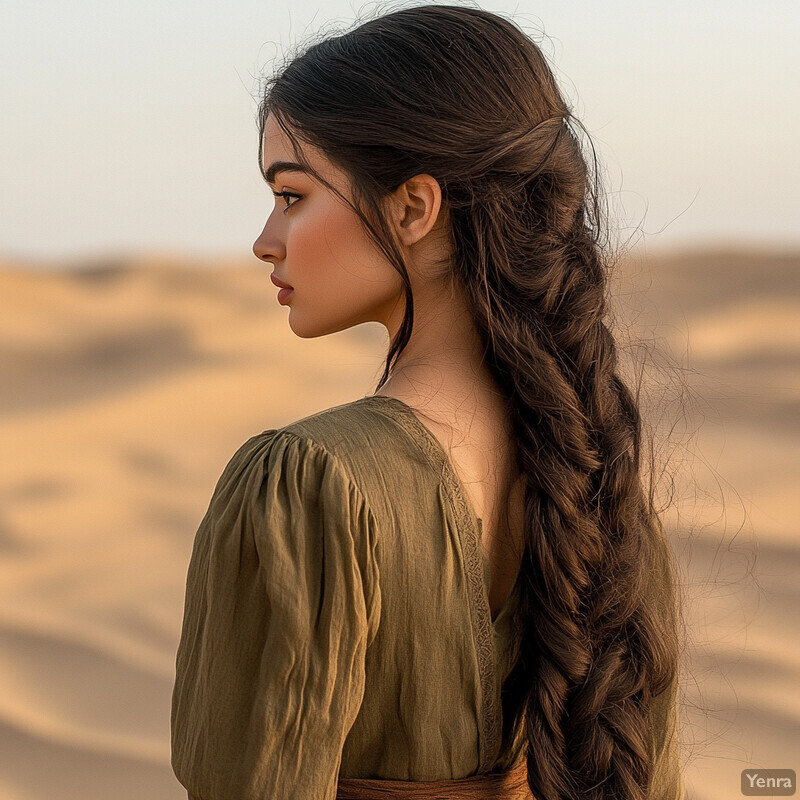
[[442, 366]]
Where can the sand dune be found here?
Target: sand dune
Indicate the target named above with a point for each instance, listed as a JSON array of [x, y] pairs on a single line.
[[128, 385]]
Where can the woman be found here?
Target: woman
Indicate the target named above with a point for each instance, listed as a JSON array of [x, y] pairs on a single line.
[[455, 586]]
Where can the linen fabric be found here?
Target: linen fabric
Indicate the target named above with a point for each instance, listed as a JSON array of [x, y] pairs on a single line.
[[337, 622]]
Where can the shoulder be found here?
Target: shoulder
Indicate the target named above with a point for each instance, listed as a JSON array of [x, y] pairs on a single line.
[[283, 479], [356, 444], [285, 455], [332, 439], [360, 435], [342, 430]]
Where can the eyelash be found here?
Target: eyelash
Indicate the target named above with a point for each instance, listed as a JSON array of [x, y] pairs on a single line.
[[284, 195]]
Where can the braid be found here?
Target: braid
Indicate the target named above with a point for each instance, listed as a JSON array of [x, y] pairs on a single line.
[[585, 673]]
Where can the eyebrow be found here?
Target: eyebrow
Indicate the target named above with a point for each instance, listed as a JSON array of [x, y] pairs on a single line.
[[282, 166]]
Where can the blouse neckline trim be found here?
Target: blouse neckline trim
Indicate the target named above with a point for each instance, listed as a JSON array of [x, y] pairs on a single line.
[[442, 461], [469, 525]]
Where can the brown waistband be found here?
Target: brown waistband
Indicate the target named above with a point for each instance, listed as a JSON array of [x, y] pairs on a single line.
[[511, 785]]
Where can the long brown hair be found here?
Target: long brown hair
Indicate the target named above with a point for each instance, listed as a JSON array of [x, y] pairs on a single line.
[[466, 96]]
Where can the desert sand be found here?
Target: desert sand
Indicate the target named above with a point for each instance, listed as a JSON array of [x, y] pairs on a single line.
[[128, 384]]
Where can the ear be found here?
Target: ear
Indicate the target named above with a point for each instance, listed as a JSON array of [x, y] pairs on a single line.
[[416, 204]]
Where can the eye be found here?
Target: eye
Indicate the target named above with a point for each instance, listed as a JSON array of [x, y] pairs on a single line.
[[285, 195]]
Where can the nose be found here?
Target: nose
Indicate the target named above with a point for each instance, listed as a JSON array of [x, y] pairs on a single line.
[[267, 247]]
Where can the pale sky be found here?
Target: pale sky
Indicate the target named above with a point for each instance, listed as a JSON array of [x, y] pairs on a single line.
[[131, 126]]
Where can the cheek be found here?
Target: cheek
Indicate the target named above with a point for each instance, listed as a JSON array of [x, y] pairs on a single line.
[[329, 250]]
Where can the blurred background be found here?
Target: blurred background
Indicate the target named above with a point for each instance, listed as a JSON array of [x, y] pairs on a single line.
[[141, 343]]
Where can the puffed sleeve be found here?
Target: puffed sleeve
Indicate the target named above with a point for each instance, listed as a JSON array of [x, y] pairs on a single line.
[[282, 600]]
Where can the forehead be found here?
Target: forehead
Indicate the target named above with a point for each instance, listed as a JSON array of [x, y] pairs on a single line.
[[276, 142], [278, 152]]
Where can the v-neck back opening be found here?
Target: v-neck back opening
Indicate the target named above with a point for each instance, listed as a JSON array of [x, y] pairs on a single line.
[[441, 461], [485, 630]]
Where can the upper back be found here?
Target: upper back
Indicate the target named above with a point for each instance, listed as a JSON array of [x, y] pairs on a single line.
[[438, 641], [391, 454]]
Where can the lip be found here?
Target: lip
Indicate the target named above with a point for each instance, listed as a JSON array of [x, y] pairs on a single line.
[[280, 283]]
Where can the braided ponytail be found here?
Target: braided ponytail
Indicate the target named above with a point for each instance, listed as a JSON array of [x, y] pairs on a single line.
[[594, 651]]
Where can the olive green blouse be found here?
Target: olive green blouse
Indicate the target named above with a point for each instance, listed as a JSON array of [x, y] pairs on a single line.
[[337, 620]]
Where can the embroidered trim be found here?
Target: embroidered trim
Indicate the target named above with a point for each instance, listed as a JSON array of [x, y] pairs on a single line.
[[473, 555]]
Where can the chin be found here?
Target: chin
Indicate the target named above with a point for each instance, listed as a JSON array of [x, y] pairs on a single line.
[[304, 329]]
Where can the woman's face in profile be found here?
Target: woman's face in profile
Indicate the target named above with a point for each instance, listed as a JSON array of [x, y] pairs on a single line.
[[317, 245]]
